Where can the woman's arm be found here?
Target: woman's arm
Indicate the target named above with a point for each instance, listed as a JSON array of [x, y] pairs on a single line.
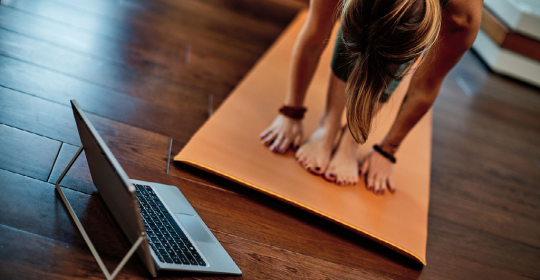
[[461, 21], [308, 48]]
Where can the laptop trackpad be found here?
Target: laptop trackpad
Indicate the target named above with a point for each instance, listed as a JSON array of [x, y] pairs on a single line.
[[195, 228]]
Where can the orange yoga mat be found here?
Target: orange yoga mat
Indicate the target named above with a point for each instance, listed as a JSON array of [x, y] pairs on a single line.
[[228, 145]]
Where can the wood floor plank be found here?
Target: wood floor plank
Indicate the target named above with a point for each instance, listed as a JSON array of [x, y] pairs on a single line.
[[24, 255], [203, 72], [78, 177], [27, 153], [34, 206], [52, 120], [49, 85], [490, 188], [444, 265], [103, 73], [130, 25], [484, 248], [461, 120], [491, 220]]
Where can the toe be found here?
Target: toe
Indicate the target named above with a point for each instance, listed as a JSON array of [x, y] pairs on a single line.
[[318, 170], [329, 177]]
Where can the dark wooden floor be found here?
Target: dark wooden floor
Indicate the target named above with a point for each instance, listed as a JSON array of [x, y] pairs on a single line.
[[148, 72]]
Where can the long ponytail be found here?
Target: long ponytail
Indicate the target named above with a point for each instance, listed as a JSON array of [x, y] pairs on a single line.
[[381, 35]]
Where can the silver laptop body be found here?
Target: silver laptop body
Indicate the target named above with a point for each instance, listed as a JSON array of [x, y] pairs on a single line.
[[172, 227]]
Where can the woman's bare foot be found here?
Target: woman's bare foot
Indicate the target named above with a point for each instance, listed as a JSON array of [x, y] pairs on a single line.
[[314, 155], [343, 168]]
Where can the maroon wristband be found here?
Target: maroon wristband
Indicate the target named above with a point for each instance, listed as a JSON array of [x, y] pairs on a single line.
[[295, 113]]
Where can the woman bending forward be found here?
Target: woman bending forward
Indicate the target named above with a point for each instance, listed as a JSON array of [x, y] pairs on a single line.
[[377, 44]]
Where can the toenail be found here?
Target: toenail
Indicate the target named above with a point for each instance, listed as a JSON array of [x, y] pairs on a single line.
[[331, 175]]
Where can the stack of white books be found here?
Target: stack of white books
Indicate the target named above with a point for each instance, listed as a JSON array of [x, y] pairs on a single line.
[[509, 39]]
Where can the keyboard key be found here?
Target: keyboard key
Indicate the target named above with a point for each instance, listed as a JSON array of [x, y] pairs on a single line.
[[162, 239], [195, 255], [161, 258], [163, 209], [183, 248], [192, 261], [183, 259], [168, 259], [141, 189], [200, 261], [160, 247], [170, 251], [175, 226], [166, 245], [176, 260]]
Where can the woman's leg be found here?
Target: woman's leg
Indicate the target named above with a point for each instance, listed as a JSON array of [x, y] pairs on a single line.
[[315, 153], [343, 167]]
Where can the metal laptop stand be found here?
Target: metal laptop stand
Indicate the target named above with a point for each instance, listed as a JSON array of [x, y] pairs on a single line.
[[83, 232]]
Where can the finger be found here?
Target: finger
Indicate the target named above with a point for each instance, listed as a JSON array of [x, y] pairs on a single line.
[[270, 138], [364, 168], [370, 181], [277, 143], [391, 184], [265, 132], [382, 185], [297, 141], [284, 145], [377, 183]]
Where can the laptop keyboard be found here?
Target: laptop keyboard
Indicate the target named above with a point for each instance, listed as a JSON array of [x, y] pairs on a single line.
[[168, 241]]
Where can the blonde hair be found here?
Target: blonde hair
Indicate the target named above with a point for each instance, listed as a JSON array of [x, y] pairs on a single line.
[[381, 35]]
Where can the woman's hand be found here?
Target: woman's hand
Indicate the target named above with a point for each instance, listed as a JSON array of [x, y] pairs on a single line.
[[282, 133], [378, 172]]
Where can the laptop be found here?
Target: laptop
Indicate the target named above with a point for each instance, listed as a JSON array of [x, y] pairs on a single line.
[[177, 239]]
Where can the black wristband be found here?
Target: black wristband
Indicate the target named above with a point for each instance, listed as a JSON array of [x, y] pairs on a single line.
[[384, 154]]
